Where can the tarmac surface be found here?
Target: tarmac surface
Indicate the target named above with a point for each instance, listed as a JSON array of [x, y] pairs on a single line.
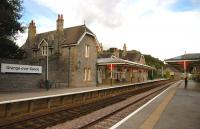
[[184, 110], [176, 108]]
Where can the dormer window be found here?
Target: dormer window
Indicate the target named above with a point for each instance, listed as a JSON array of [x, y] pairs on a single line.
[[87, 51], [44, 50]]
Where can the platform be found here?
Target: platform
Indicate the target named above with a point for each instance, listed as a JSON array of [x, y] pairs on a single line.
[[176, 108], [7, 97]]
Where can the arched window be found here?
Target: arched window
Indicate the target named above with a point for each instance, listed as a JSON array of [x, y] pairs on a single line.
[[44, 50]]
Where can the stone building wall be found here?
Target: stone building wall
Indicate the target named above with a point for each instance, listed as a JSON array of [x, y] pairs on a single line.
[[78, 62], [81, 62]]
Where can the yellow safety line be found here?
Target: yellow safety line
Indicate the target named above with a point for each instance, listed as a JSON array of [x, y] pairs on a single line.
[[151, 121]]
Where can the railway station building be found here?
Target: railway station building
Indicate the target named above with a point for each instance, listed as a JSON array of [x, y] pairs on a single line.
[[73, 57], [72, 53], [187, 63], [121, 66]]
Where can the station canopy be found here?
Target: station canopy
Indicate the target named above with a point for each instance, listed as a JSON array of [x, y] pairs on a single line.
[[191, 60], [118, 61]]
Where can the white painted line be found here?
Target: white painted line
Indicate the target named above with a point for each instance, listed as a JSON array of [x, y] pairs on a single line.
[[75, 92], [136, 111]]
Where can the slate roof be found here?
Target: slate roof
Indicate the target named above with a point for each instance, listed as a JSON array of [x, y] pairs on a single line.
[[105, 54], [71, 35], [133, 56], [190, 56]]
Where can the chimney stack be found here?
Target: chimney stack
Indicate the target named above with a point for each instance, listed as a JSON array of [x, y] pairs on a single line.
[[124, 50], [60, 22], [31, 31]]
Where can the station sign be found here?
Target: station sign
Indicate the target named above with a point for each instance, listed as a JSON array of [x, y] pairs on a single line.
[[16, 68]]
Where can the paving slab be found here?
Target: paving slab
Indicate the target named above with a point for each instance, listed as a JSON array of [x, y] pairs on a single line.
[[182, 112], [10, 96]]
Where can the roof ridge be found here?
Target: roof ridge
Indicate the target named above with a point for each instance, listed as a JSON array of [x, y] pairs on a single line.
[[190, 53], [63, 29]]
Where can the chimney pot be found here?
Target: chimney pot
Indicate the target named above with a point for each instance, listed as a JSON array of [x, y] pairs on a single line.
[[60, 22], [58, 16], [61, 16]]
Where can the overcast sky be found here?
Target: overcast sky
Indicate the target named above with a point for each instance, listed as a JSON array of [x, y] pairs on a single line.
[[161, 28]]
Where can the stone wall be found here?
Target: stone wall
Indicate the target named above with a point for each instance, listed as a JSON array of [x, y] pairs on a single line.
[[78, 62], [19, 81], [57, 75], [82, 62]]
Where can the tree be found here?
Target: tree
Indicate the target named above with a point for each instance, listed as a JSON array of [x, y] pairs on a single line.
[[156, 63], [10, 14], [152, 61], [167, 74]]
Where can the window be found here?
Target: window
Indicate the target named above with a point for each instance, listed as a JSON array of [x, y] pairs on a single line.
[[87, 74], [44, 50], [87, 51]]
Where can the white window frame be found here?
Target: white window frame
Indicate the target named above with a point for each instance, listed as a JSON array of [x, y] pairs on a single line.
[[44, 50], [87, 51], [87, 74]]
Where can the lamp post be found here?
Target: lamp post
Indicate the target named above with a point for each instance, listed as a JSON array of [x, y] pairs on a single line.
[[47, 66]]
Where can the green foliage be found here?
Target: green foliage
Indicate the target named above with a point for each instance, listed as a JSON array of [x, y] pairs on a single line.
[[10, 50], [10, 14], [167, 74], [156, 63]]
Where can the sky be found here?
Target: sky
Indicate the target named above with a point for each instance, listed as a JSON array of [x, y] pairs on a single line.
[[161, 28]]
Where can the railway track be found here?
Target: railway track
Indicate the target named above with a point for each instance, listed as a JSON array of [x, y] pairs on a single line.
[[113, 117], [80, 111]]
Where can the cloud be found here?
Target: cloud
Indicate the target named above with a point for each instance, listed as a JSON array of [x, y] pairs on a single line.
[[102, 11], [151, 27], [106, 13]]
